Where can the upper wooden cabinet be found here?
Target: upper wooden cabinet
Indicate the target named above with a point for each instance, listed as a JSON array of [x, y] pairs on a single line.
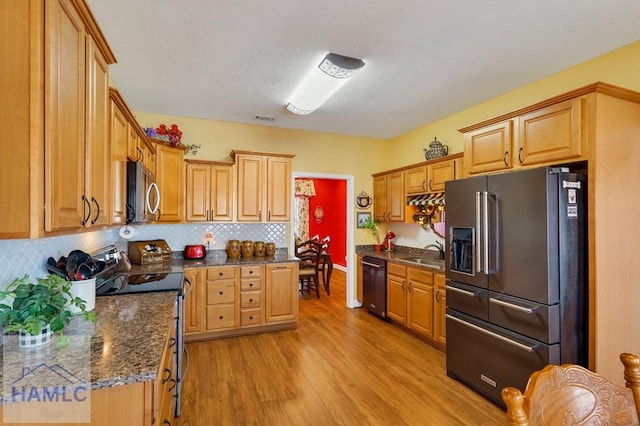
[[389, 197], [55, 72], [170, 180], [430, 177], [546, 134], [264, 186], [209, 191]]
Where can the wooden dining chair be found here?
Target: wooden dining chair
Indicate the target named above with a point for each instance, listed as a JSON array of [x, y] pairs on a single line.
[[572, 395], [309, 253]]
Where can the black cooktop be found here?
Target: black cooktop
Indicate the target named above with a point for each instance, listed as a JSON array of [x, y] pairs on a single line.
[[141, 283]]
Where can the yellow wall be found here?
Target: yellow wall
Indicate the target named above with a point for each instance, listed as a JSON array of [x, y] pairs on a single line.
[[360, 157]]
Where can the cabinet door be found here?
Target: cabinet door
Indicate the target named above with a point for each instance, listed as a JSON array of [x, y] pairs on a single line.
[[397, 298], [98, 176], [551, 133], [440, 310], [438, 174], [396, 197], [169, 177], [420, 308], [134, 152], [198, 192], [119, 136], [281, 292], [489, 148], [380, 198], [415, 180], [221, 194], [194, 301], [278, 189], [65, 121], [250, 190]]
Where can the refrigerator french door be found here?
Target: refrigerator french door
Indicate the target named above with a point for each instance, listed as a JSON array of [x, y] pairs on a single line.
[[516, 276]]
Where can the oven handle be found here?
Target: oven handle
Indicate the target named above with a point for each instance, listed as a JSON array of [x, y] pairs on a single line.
[[465, 292], [495, 335], [512, 306]]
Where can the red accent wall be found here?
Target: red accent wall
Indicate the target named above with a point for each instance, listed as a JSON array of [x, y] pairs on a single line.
[[331, 195]]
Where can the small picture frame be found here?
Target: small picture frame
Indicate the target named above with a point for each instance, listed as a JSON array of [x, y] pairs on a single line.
[[362, 218]]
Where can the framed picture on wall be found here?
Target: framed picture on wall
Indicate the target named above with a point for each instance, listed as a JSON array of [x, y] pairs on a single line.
[[362, 218]]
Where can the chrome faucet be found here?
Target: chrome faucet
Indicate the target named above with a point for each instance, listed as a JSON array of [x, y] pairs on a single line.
[[438, 245]]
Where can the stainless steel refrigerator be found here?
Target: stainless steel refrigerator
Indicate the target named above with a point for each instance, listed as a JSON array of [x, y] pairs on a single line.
[[516, 276]]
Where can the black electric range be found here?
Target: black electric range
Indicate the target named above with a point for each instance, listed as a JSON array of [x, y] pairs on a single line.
[[141, 283]]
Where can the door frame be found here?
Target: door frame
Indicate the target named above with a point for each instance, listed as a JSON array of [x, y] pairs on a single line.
[[351, 300]]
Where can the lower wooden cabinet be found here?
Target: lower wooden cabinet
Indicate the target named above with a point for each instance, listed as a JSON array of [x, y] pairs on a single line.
[[227, 301], [416, 302], [164, 402]]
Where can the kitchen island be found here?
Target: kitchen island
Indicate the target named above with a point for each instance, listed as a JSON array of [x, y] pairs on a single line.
[[118, 358]]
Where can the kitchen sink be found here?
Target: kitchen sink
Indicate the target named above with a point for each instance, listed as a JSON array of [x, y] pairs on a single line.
[[432, 263]]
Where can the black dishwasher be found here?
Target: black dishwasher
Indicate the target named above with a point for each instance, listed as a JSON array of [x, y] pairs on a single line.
[[374, 286]]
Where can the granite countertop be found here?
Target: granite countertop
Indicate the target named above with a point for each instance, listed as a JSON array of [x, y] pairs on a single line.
[[401, 254], [124, 346]]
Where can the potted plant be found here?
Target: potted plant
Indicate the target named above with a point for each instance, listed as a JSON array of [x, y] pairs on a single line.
[[373, 226], [40, 309]]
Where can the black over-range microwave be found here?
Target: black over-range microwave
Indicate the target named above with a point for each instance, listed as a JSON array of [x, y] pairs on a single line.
[[143, 195]]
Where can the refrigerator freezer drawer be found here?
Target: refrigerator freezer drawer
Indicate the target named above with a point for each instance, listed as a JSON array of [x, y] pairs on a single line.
[[540, 322], [468, 299], [487, 358]]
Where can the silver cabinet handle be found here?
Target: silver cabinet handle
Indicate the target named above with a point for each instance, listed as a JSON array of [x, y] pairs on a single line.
[[518, 345], [461, 291], [512, 306], [370, 264]]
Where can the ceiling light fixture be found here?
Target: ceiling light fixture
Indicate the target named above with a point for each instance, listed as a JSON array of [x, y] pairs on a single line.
[[322, 82]]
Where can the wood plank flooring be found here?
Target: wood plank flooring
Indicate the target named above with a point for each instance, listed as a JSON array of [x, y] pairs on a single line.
[[340, 367]]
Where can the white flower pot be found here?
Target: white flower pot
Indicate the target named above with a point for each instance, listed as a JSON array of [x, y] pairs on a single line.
[[85, 290], [26, 340]]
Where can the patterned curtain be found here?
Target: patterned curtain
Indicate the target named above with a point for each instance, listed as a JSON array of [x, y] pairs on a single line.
[[304, 190]]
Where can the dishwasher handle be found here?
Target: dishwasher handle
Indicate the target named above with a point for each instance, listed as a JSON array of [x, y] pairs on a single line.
[[371, 264]]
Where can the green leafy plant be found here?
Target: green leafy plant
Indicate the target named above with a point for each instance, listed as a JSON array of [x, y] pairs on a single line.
[[373, 226], [29, 307]]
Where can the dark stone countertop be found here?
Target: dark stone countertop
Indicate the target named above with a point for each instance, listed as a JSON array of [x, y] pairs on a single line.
[[400, 254], [124, 346]]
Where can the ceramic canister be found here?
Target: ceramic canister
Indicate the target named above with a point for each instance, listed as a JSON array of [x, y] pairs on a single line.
[[233, 248], [258, 249], [270, 249], [247, 248]]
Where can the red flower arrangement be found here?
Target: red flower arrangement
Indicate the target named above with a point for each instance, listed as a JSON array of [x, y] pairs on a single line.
[[171, 134]]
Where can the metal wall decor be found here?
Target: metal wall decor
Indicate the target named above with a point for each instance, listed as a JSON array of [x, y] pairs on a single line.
[[319, 214], [436, 150], [363, 200]]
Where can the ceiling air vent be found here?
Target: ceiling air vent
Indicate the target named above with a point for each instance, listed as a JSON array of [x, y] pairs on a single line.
[[263, 118]]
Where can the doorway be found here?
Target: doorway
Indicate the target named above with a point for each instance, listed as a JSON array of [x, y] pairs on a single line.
[[350, 293]]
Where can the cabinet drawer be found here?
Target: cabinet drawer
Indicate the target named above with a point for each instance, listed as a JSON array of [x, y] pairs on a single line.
[[422, 275], [220, 316], [396, 269], [220, 291], [222, 272], [250, 284], [251, 317], [250, 271], [251, 299]]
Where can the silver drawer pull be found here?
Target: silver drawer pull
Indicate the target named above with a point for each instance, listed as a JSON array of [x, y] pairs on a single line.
[[370, 264], [512, 306], [461, 291], [495, 335]]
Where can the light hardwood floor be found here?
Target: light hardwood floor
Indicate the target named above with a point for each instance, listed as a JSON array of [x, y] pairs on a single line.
[[340, 367]]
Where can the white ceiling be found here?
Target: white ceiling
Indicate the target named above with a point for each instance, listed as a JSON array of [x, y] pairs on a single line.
[[425, 59]]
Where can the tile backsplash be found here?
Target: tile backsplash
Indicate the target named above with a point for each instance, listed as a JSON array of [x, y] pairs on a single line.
[[19, 257]]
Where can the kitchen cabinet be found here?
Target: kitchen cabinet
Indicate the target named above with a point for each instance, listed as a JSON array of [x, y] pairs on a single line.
[[220, 298], [264, 186], [166, 380], [397, 292], [193, 306], [536, 136], [281, 292], [389, 197], [420, 295], [56, 79], [170, 180], [440, 309], [429, 177], [251, 296], [209, 191]]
